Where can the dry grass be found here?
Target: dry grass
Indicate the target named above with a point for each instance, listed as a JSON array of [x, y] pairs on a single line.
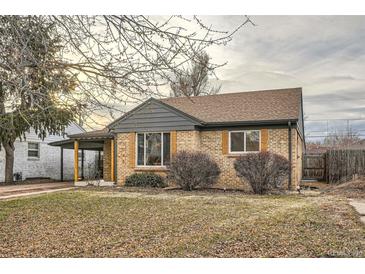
[[353, 189], [179, 224]]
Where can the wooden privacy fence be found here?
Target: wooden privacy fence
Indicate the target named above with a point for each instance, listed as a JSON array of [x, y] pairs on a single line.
[[314, 166], [343, 164], [334, 166]]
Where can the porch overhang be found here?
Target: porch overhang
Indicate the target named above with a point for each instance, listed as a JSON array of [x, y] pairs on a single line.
[[85, 144], [95, 141]]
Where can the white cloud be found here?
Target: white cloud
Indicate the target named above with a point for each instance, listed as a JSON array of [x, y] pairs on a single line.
[[323, 54]]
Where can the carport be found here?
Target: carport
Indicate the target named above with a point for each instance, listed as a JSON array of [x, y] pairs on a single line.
[[100, 141]]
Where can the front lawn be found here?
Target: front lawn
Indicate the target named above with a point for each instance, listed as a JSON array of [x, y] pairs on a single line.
[[174, 224]]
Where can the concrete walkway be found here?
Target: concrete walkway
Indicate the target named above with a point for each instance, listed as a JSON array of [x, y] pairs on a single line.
[[359, 206], [15, 191]]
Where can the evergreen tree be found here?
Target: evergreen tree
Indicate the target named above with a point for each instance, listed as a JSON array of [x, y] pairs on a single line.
[[32, 83]]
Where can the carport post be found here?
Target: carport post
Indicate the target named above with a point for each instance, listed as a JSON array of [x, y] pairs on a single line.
[[76, 160]]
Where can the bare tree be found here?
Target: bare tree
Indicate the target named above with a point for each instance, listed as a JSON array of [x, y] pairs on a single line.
[[342, 139], [195, 80], [90, 66], [126, 59]]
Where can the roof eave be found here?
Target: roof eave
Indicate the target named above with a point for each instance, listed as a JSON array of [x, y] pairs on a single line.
[[249, 123], [71, 140], [80, 137]]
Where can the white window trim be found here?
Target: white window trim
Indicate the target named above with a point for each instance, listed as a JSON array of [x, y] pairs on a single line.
[[38, 150], [144, 150], [244, 151]]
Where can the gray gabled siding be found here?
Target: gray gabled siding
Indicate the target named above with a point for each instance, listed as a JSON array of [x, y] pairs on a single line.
[[153, 116]]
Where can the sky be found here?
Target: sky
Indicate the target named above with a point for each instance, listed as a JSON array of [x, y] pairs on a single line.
[[325, 55]]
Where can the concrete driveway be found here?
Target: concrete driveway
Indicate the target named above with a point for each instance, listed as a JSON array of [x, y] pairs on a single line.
[[15, 191]]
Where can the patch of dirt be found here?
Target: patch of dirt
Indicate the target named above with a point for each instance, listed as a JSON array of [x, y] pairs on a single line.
[[352, 189]]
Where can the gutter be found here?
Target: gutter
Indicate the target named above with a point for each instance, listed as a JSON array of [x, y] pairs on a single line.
[[250, 123]]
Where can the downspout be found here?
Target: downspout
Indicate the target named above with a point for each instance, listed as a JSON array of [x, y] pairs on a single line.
[[290, 154]]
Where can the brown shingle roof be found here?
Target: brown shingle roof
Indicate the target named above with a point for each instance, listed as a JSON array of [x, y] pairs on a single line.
[[264, 105]]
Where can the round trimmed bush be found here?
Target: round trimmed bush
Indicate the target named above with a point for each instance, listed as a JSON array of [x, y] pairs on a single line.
[[146, 179], [190, 170]]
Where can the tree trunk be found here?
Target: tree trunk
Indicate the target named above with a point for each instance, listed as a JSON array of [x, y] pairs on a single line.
[[9, 162]]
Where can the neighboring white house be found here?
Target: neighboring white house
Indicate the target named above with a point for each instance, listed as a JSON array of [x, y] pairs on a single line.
[[34, 158]]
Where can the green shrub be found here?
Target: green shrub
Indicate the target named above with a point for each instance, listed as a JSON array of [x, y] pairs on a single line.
[[145, 180]]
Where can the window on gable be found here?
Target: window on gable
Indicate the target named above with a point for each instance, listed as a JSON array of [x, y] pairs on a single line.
[[33, 149], [244, 141], [153, 149]]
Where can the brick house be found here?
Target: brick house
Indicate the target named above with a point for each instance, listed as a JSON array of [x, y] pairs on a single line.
[[223, 125]]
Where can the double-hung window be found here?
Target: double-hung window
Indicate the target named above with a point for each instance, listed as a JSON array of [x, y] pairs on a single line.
[[153, 149], [242, 141], [33, 150]]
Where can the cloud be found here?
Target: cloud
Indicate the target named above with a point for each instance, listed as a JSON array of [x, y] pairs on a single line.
[[323, 54]]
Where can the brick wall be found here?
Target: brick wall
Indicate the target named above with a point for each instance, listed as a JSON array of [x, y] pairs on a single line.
[[297, 158], [188, 140], [107, 161], [211, 142], [123, 149], [278, 143], [185, 140], [126, 158]]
